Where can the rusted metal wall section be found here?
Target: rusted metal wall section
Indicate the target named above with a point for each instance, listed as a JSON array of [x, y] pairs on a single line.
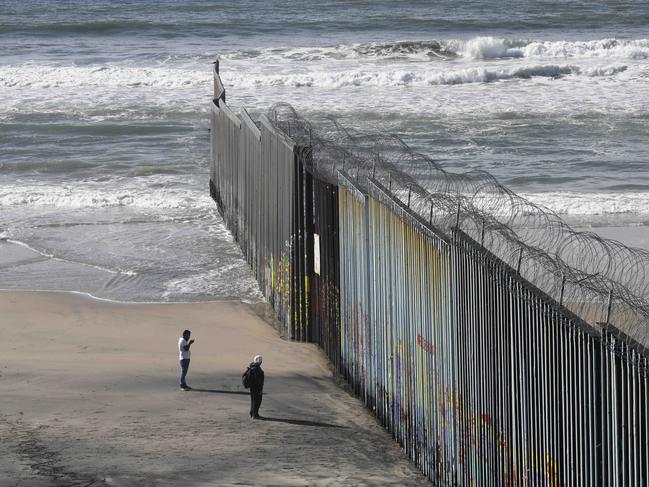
[[481, 377], [354, 300]]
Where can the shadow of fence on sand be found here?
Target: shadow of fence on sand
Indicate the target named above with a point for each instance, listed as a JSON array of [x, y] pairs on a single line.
[[297, 422]]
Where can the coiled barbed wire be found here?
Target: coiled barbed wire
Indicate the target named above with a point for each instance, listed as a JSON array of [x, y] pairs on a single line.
[[600, 280]]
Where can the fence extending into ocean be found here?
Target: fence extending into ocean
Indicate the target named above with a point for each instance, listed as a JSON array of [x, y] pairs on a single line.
[[481, 376]]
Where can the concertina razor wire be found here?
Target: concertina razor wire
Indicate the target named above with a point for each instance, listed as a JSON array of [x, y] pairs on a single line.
[[600, 280]]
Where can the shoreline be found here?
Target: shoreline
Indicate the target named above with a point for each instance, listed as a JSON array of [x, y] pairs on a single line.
[[117, 301], [15, 254], [90, 397], [47, 273]]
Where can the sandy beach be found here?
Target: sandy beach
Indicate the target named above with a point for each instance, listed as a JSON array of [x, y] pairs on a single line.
[[89, 396]]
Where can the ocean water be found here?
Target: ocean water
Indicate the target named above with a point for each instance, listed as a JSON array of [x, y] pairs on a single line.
[[104, 140]]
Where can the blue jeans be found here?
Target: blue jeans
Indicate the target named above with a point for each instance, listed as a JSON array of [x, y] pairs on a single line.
[[184, 367]]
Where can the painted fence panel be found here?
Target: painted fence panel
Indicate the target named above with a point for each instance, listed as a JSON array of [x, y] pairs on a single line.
[[411, 315], [395, 309], [482, 378], [354, 301]]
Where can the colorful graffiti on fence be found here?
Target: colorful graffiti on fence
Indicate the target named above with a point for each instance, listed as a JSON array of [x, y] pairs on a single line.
[[478, 439]]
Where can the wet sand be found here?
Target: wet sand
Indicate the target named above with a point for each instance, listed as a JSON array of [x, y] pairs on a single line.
[[89, 396]]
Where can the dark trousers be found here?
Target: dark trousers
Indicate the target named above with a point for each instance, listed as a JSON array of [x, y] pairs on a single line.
[[184, 367], [256, 394]]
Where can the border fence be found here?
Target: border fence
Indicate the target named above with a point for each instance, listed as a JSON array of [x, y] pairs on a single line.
[[481, 376]]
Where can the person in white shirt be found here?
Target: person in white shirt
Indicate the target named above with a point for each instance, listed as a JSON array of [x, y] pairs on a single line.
[[183, 349]]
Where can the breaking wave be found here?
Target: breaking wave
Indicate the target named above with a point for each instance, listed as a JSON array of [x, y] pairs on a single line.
[[92, 195], [532, 59], [474, 49], [116, 77], [494, 48], [382, 78], [111, 76]]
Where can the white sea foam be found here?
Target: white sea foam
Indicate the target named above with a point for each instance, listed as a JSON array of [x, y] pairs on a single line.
[[421, 77], [90, 194], [129, 92], [232, 279], [486, 47], [587, 204], [105, 76], [604, 70], [627, 49], [482, 75], [493, 48], [318, 64]]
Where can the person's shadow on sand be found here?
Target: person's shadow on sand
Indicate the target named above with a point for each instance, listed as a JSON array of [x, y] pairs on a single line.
[[301, 422], [298, 422], [221, 391]]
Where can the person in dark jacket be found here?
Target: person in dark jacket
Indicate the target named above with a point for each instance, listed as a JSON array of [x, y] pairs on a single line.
[[256, 381]]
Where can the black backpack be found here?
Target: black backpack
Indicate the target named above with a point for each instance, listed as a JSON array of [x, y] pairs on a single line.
[[245, 378]]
